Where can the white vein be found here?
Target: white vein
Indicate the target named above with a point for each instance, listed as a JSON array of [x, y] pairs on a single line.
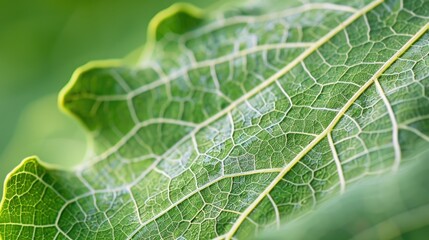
[[395, 138], [337, 163]]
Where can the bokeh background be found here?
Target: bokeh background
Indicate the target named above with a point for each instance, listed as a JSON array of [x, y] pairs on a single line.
[[41, 43]]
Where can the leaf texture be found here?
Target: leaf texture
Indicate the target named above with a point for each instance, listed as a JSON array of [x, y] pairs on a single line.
[[399, 200], [247, 119]]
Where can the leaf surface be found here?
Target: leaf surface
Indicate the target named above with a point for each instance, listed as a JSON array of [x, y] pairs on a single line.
[[394, 206], [248, 118]]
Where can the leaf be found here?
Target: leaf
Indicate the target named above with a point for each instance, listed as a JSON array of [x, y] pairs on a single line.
[[395, 206], [248, 119]]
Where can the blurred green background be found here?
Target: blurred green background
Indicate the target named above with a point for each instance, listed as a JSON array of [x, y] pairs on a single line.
[[41, 43]]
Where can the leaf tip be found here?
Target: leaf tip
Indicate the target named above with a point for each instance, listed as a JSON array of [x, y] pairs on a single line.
[[28, 160], [178, 18], [65, 96]]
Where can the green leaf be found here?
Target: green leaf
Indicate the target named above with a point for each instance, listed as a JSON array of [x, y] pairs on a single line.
[[395, 206], [250, 117]]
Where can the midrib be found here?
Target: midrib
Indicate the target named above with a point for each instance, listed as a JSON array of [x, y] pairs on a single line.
[[313, 143]]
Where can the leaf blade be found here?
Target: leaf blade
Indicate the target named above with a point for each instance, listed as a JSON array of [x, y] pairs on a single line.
[[170, 166]]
